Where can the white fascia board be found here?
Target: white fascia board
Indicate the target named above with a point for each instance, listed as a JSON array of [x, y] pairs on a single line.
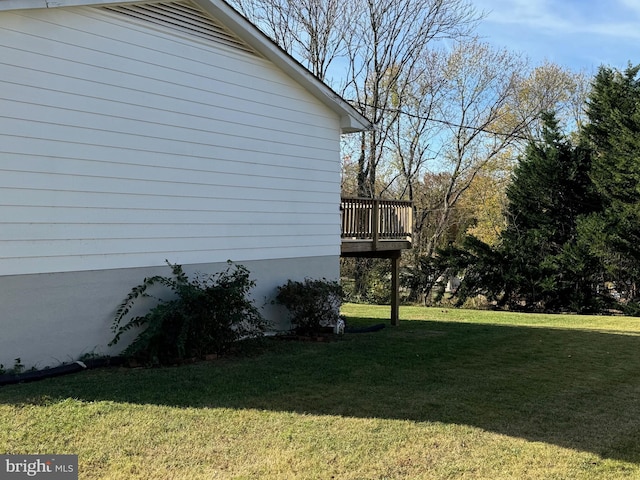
[[350, 119], [22, 4], [31, 4]]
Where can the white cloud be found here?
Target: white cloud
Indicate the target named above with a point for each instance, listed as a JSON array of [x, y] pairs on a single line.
[[532, 13], [626, 30], [632, 5], [576, 33], [617, 18]]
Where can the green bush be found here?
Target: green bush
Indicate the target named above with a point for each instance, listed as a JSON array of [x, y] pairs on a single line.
[[366, 280], [313, 304], [205, 315]]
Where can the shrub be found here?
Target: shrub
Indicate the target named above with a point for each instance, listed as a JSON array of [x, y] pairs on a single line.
[[313, 304], [205, 315], [373, 283]]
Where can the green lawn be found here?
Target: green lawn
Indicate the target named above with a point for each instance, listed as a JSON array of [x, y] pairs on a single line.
[[447, 394]]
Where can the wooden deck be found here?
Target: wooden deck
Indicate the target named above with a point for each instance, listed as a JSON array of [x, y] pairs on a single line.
[[380, 229], [371, 227]]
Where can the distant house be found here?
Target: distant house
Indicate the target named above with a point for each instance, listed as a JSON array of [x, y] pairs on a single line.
[[131, 133]]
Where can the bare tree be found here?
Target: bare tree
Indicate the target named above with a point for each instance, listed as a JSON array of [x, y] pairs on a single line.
[[393, 39], [447, 108], [548, 87], [315, 32], [415, 136], [480, 83], [375, 47], [273, 18], [467, 115]]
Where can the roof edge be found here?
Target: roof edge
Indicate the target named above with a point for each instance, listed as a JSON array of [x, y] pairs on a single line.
[[351, 120], [31, 4]]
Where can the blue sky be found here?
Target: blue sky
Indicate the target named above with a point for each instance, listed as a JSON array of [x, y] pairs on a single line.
[[578, 34]]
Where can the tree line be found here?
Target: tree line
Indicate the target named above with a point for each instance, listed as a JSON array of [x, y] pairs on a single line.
[[572, 237], [456, 121]]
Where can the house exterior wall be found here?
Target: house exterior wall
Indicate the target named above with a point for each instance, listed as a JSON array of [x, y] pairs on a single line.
[[51, 318], [123, 144]]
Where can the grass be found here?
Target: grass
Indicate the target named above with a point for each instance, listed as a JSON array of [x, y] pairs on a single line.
[[448, 394]]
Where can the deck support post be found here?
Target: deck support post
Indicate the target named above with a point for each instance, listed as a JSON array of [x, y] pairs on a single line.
[[395, 290], [375, 223], [375, 228]]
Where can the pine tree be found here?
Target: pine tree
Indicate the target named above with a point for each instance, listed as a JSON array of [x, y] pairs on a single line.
[[540, 261], [613, 131], [548, 268]]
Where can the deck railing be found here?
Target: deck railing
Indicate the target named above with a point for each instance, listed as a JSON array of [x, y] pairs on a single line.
[[375, 219]]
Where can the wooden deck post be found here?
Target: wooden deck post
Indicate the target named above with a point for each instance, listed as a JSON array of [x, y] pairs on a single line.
[[395, 290], [375, 223], [375, 228]]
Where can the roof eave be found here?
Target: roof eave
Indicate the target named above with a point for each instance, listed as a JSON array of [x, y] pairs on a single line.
[[31, 4], [351, 120]]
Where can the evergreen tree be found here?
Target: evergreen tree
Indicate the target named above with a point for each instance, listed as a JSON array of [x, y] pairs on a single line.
[[573, 213], [539, 262], [550, 190], [613, 131]]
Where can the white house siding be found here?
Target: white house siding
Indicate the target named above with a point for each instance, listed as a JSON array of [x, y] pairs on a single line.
[[51, 318], [123, 144]]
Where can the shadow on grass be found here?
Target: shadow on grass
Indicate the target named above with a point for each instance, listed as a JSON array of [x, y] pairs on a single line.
[[572, 388]]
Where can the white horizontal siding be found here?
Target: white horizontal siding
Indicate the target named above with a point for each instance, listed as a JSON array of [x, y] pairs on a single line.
[[110, 260], [138, 52], [206, 184], [44, 142], [122, 145], [117, 231]]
